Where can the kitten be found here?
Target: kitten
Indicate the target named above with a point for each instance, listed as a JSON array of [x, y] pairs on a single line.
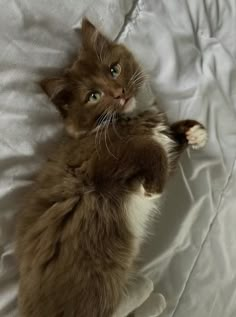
[[81, 229]]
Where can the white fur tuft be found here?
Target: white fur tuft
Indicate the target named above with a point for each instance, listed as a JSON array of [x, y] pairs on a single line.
[[163, 139]]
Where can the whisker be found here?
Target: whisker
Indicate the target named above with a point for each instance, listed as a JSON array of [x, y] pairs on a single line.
[[139, 78], [139, 82], [104, 121], [103, 125], [134, 74], [142, 74], [96, 141], [114, 125], [108, 124], [100, 127], [107, 134], [100, 118]]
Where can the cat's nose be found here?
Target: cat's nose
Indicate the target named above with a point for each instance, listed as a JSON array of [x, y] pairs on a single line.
[[118, 93]]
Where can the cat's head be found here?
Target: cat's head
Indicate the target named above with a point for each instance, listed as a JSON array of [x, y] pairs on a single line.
[[104, 80]]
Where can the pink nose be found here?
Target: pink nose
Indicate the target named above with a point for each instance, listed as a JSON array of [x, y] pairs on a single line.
[[118, 93]]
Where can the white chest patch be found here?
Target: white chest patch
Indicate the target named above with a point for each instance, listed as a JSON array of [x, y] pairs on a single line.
[[140, 211], [140, 208]]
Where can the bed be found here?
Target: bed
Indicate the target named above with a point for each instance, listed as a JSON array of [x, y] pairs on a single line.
[[189, 50]]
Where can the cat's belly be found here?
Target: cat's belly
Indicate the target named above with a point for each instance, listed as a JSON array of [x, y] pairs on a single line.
[[140, 211]]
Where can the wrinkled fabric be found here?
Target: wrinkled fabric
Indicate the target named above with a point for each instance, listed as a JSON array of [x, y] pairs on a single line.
[[189, 50]]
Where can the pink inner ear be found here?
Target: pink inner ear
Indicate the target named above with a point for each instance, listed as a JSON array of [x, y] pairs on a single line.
[[91, 37], [88, 31], [87, 26], [53, 86]]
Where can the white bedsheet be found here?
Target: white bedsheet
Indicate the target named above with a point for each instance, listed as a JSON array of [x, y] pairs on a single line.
[[189, 50]]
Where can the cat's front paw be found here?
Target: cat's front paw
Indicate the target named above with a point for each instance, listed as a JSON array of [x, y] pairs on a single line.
[[196, 136]]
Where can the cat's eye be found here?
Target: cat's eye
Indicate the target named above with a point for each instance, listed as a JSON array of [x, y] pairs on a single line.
[[94, 96], [115, 70]]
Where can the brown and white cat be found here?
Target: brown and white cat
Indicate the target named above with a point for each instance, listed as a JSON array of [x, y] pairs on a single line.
[[80, 231]]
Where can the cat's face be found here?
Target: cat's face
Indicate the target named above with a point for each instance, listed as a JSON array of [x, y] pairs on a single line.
[[101, 83]]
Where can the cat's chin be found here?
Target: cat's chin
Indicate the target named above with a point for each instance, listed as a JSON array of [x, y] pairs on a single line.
[[130, 105]]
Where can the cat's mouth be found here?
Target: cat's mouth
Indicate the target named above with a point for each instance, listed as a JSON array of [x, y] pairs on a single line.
[[123, 101], [124, 106], [129, 104]]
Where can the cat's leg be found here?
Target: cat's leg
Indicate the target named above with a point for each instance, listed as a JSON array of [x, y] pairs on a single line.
[[152, 307], [136, 293], [140, 299], [152, 167]]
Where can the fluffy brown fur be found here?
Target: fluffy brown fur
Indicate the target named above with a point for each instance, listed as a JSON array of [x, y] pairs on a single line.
[[76, 237]]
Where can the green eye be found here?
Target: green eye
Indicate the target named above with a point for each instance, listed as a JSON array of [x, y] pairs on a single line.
[[94, 97], [115, 70]]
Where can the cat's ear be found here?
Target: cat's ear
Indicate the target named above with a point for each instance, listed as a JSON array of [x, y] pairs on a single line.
[[59, 91], [91, 37]]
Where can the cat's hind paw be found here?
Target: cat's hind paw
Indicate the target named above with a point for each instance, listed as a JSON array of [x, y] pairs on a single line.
[[197, 136], [152, 307]]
